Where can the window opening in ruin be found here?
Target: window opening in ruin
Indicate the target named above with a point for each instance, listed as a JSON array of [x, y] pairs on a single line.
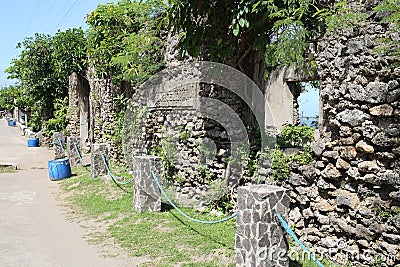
[[308, 104]]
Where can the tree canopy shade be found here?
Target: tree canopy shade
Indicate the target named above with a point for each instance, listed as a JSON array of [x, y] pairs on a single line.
[[123, 40], [241, 32], [248, 33]]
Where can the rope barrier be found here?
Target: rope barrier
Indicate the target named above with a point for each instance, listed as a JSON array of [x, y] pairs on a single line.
[[184, 214], [61, 145], [79, 155], [293, 235], [112, 176]]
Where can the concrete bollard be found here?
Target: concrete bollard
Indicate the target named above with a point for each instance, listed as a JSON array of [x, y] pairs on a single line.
[[73, 154], [147, 195], [98, 167], [260, 240], [58, 145]]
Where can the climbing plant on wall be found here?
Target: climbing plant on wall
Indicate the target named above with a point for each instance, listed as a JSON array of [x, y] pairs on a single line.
[[390, 11]]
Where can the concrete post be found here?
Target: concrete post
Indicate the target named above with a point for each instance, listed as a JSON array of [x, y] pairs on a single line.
[[260, 239], [97, 165], [73, 155], [146, 196], [58, 147]]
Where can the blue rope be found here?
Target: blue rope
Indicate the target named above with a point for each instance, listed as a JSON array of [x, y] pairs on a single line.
[[184, 214], [112, 176], [293, 235], [61, 145], [79, 154]]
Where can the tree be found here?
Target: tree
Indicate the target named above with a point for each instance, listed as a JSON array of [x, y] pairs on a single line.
[[123, 40], [69, 53], [11, 96], [240, 32], [42, 69], [35, 71]]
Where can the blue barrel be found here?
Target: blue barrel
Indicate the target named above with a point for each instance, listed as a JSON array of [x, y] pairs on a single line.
[[59, 169], [12, 123], [33, 142]]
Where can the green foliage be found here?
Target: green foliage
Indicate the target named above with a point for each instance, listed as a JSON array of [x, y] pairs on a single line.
[[121, 103], [231, 29], [35, 71], [123, 41], [168, 154], [389, 46], [59, 120], [292, 136], [295, 136], [41, 69], [281, 162], [69, 53], [340, 17], [385, 214], [10, 94]]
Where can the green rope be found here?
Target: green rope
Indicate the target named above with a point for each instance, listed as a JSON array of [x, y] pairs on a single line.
[[61, 145], [79, 155], [112, 176], [293, 235], [184, 214]]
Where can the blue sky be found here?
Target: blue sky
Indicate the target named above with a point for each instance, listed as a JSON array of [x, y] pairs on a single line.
[[22, 18], [309, 102]]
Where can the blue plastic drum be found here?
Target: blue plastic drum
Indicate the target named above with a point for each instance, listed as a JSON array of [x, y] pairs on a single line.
[[59, 169], [33, 142]]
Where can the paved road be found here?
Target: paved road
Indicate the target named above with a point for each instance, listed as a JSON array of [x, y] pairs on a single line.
[[33, 229]]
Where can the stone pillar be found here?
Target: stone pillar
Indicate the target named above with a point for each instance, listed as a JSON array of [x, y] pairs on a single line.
[[146, 196], [58, 145], [73, 154], [97, 165], [260, 238]]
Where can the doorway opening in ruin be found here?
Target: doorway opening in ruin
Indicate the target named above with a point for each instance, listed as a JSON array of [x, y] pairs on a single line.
[[309, 104]]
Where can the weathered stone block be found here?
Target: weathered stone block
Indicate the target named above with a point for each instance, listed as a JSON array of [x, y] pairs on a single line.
[[59, 145], [353, 117], [147, 195], [258, 206], [98, 167], [74, 150]]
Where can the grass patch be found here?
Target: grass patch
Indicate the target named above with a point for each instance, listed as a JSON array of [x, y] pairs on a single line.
[[7, 169], [165, 237]]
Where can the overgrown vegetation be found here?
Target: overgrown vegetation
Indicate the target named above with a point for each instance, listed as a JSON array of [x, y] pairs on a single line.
[[123, 41], [391, 16], [42, 70]]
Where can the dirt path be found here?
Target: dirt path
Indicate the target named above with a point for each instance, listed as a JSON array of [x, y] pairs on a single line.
[[34, 230]]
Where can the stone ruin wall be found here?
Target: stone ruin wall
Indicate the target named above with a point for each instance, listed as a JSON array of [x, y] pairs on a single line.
[[347, 204], [343, 205], [199, 146], [101, 108]]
